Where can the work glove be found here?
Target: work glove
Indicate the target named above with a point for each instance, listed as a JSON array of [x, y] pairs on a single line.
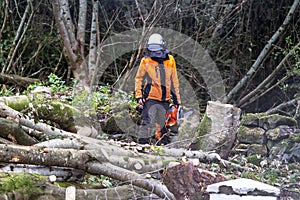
[[140, 101]]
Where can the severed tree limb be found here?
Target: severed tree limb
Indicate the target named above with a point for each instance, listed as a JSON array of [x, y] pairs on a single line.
[[5, 141], [51, 191], [95, 156], [11, 130], [90, 161], [123, 192], [6, 111], [293, 102], [152, 185], [16, 80], [263, 53], [66, 116]]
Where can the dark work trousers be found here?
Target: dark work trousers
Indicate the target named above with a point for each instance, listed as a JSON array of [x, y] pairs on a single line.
[[153, 112]]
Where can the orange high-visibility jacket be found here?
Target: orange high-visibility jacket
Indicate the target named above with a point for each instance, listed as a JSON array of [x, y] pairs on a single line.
[[156, 81]]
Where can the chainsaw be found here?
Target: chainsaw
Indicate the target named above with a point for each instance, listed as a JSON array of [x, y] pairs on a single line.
[[174, 117]]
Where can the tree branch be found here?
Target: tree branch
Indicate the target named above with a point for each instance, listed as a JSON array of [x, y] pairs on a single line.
[[4, 19], [269, 78], [293, 102], [263, 53]]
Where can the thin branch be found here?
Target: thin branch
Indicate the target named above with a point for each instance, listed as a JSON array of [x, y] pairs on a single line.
[[4, 19], [17, 39], [269, 78], [263, 53], [292, 102], [257, 96]]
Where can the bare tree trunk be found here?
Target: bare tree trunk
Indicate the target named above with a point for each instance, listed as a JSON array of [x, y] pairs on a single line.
[[92, 69], [72, 48], [263, 53], [85, 70], [82, 26]]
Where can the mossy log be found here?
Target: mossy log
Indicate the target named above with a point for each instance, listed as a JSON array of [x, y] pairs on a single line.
[[63, 115], [27, 186]]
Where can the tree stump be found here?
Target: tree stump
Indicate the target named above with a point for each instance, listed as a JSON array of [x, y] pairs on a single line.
[[186, 181], [218, 128]]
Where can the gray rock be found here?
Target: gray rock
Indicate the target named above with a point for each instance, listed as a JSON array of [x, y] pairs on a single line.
[[279, 133], [242, 189], [273, 121], [251, 135], [259, 149]]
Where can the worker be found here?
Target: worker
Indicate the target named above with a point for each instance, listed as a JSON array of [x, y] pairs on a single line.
[[156, 86]]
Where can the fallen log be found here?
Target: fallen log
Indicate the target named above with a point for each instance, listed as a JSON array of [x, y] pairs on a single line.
[[41, 188], [17, 80], [91, 161], [62, 174], [12, 131], [65, 116]]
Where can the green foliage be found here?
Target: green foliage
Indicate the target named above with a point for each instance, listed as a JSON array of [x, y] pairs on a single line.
[[6, 92], [57, 84], [103, 180], [5, 46], [295, 51], [294, 70], [294, 178], [255, 159], [270, 175], [90, 102], [23, 183], [251, 175], [105, 99]]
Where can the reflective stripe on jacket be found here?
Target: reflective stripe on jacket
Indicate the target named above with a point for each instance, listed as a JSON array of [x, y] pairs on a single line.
[[157, 81]]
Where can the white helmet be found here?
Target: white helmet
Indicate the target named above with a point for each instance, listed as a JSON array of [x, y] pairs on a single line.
[[156, 42]]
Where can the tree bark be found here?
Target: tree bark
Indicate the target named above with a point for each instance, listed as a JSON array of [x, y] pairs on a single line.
[[12, 131], [186, 181]]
